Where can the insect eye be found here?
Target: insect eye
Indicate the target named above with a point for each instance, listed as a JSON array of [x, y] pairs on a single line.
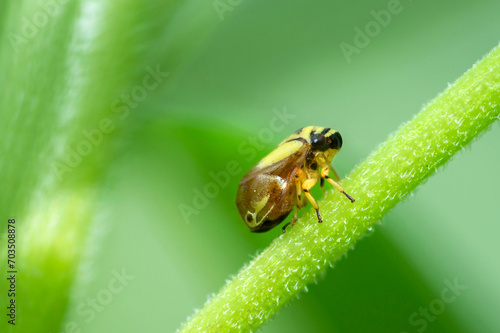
[[319, 142], [335, 141]]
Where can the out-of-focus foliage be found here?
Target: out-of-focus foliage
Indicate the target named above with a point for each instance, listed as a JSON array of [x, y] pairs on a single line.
[[285, 268], [122, 203]]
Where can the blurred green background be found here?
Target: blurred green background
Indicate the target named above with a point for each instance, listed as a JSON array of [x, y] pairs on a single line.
[[234, 69]]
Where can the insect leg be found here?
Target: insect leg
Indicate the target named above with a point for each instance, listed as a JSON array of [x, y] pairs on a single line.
[[324, 174], [335, 174], [306, 186], [322, 184], [298, 187], [299, 203]]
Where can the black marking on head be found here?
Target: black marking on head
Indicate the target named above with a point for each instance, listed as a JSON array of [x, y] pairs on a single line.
[[326, 139], [314, 166], [249, 217], [335, 141]]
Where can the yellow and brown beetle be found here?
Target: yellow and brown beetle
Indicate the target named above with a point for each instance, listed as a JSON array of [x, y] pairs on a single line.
[[270, 190]]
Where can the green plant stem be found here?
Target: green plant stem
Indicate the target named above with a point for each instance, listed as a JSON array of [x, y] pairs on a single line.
[[444, 127]]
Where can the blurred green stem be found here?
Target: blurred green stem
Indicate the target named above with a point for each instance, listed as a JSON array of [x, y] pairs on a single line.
[[444, 127]]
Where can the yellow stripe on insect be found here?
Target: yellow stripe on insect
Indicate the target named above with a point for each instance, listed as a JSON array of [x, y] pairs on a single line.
[[281, 152]]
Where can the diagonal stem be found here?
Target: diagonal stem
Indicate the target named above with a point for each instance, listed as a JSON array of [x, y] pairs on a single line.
[[444, 127]]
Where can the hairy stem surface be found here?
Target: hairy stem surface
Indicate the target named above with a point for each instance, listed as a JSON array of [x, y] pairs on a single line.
[[444, 127]]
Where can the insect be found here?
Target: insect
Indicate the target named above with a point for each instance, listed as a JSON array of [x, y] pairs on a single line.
[[270, 190]]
